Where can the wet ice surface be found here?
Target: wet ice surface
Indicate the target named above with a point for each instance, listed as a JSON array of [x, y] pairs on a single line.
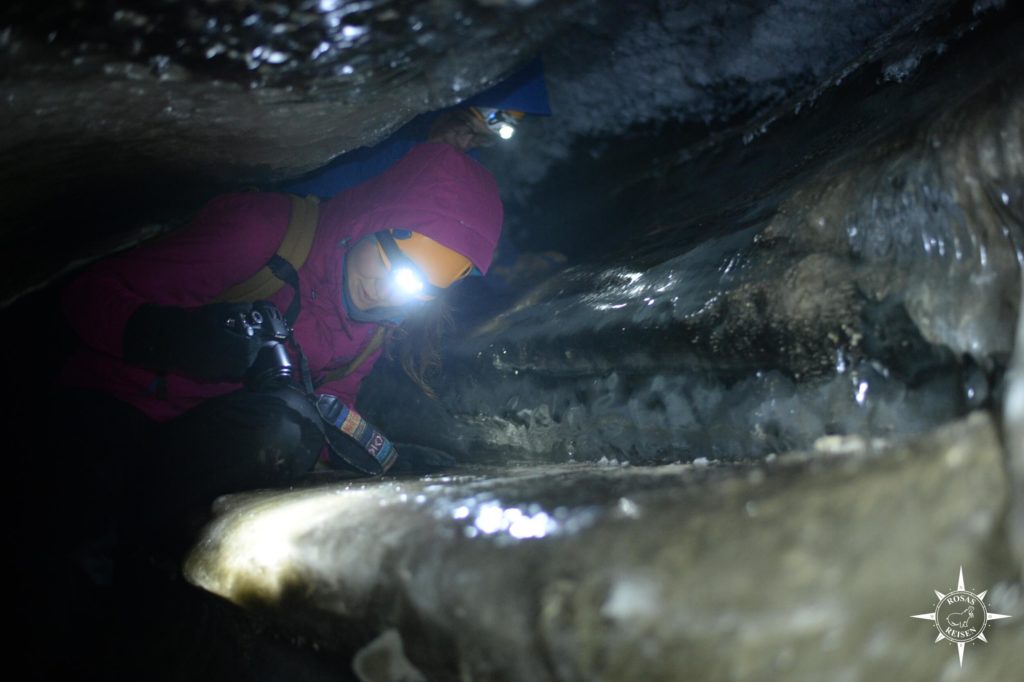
[[260, 538], [766, 295], [866, 286], [311, 44], [213, 96], [171, 103], [351, 529], [507, 503], [606, 571], [674, 61]]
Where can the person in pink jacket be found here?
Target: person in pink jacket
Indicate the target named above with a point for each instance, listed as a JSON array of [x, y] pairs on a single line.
[[158, 341]]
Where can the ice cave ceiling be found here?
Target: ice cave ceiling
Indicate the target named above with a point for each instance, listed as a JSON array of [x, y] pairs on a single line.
[[166, 103], [794, 234]]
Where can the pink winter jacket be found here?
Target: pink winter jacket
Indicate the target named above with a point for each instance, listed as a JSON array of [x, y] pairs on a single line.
[[435, 189]]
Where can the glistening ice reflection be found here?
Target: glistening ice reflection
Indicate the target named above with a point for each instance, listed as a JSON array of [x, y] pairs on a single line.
[[875, 296], [491, 518], [258, 544], [262, 543], [623, 572]]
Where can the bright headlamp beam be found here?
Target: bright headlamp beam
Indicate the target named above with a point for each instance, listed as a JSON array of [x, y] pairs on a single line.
[[506, 131], [413, 281], [407, 281]]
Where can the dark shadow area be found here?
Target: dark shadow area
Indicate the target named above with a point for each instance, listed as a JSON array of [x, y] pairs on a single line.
[[92, 601]]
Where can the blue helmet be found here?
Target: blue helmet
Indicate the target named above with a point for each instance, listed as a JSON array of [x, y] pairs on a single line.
[[523, 91], [504, 105]]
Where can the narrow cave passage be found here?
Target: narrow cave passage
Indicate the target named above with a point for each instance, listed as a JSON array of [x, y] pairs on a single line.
[[742, 405]]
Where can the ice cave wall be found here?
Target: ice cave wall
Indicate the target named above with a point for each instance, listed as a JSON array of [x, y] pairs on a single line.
[[791, 192], [166, 104], [839, 263], [821, 233], [859, 273]]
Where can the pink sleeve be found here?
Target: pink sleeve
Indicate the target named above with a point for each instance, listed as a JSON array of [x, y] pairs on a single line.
[[230, 239]]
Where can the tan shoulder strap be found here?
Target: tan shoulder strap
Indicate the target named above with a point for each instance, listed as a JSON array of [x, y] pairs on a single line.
[[295, 248], [376, 341]]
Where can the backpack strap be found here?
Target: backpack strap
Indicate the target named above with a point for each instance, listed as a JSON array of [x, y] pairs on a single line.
[[294, 249], [283, 268]]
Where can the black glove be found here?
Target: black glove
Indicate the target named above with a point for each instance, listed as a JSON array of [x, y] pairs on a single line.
[[215, 342], [353, 442]]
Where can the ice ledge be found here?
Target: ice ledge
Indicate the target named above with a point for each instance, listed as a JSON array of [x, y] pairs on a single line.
[[811, 562]]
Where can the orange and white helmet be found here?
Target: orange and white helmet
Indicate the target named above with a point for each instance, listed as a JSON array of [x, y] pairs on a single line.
[[419, 266]]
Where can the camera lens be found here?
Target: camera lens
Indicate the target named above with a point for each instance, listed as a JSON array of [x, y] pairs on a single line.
[[271, 369]]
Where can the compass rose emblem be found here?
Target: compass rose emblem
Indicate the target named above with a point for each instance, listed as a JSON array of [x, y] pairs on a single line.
[[961, 616]]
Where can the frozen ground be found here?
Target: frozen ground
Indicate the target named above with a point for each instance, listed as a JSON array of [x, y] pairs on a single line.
[[810, 562]]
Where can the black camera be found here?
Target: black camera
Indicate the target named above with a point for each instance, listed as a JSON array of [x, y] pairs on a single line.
[[271, 367]]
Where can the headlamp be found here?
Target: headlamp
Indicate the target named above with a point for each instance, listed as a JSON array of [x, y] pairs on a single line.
[[418, 266], [501, 122], [407, 281]]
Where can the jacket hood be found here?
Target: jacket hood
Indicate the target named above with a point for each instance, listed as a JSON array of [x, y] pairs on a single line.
[[435, 190]]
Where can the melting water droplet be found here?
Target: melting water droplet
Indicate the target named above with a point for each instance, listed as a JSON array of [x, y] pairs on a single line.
[[352, 32], [319, 50], [862, 391]]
